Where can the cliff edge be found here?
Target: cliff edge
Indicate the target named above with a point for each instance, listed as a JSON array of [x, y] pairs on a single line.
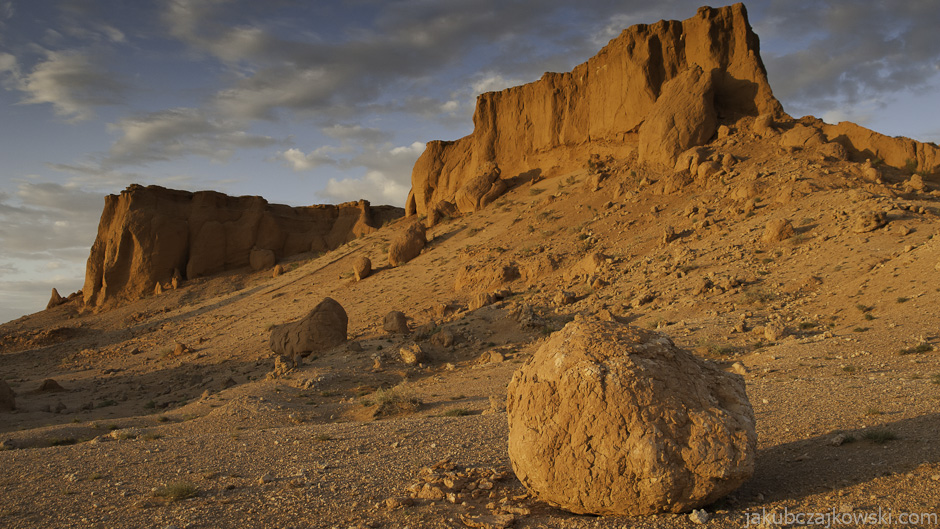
[[600, 102], [149, 235]]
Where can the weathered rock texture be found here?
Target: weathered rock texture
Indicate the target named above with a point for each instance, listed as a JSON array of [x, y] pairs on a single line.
[[324, 327], [611, 419], [408, 244], [564, 116], [146, 233]]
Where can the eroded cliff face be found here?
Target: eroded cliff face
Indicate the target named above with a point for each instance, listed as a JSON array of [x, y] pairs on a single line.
[[602, 102], [149, 234]]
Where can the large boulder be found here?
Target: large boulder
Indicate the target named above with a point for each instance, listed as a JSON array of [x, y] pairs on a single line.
[[480, 190], [684, 116], [362, 268], [606, 418], [7, 397], [407, 245], [324, 327]]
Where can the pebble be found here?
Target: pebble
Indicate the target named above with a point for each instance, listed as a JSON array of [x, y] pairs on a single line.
[[699, 516]]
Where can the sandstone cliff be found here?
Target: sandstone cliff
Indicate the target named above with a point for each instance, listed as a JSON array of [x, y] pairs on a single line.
[[149, 234], [601, 102]]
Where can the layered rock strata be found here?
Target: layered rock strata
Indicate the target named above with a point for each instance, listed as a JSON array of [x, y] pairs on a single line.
[[148, 235]]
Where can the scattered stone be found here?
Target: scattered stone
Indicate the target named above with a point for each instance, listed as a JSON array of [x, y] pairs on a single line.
[[322, 328], [398, 503], [157, 289], [677, 445], [362, 268], [181, 349], [870, 172], [488, 521], [480, 300], [564, 297], [7, 397], [396, 322], [267, 478], [739, 368], [669, 235], [443, 338], [777, 230], [261, 259], [869, 221], [354, 347], [228, 383], [50, 386], [764, 125], [412, 354], [916, 182], [278, 271], [774, 331], [838, 439], [408, 244], [699, 516]]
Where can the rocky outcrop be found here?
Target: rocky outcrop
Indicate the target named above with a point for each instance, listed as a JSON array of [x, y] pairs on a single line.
[[560, 119], [684, 116], [148, 234], [606, 418]]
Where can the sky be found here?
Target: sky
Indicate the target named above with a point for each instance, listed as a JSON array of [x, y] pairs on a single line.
[[323, 102]]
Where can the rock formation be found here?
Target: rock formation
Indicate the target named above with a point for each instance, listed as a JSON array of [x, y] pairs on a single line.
[[602, 101], [656, 90], [323, 327], [55, 300], [611, 419], [148, 233]]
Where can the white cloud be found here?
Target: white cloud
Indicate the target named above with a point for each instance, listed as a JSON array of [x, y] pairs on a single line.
[[492, 82], [376, 187], [48, 221], [73, 83], [299, 161], [176, 133], [387, 179]]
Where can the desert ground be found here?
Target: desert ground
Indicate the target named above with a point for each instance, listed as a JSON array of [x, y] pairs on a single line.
[[834, 329]]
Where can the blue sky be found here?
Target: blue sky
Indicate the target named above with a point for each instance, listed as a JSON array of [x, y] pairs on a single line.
[[314, 102]]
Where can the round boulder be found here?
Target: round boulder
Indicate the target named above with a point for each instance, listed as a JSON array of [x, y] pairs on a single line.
[[407, 245], [606, 418], [362, 268]]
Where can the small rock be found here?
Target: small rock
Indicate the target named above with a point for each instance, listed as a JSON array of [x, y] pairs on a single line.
[[777, 230], [267, 478], [739, 368], [699, 516], [412, 354], [837, 440], [564, 297], [869, 221], [395, 322], [278, 271]]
